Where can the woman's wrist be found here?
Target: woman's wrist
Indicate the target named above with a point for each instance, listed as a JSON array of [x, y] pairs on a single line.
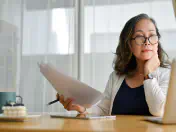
[[146, 71]]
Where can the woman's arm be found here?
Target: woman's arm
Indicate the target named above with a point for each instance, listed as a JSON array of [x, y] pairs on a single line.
[[103, 107], [156, 91]]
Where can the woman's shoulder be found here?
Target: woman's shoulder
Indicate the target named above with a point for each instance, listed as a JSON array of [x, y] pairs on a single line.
[[115, 77], [164, 70]]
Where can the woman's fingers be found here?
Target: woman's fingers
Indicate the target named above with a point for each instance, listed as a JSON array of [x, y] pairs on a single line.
[[70, 106], [61, 99], [67, 102], [57, 96], [78, 108]]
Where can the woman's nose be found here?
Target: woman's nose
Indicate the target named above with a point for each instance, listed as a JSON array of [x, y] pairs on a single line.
[[147, 42]]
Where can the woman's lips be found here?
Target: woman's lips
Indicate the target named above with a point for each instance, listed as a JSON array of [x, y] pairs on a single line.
[[147, 50]]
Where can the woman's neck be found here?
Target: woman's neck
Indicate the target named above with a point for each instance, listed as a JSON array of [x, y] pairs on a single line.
[[140, 67]]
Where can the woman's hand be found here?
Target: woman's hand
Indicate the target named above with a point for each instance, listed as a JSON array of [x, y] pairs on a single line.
[[152, 64], [68, 104]]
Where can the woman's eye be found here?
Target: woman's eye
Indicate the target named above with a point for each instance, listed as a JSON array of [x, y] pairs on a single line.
[[152, 35], [139, 36]]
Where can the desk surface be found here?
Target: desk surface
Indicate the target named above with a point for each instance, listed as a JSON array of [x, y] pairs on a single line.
[[121, 124]]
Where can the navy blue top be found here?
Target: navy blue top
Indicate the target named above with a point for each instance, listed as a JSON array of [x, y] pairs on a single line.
[[130, 101]]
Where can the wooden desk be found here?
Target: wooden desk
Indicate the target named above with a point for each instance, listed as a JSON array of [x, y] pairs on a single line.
[[121, 124]]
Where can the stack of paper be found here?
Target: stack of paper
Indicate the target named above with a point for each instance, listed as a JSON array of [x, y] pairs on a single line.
[[69, 87]]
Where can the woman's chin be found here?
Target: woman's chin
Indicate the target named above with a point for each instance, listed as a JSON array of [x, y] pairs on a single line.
[[144, 58]]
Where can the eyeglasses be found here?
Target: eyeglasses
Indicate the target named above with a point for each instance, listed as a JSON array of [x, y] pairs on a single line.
[[140, 40]]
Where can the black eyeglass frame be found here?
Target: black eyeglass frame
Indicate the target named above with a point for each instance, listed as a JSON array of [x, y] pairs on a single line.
[[145, 38]]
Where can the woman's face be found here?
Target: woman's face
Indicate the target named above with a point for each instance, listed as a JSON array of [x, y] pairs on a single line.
[[144, 50]]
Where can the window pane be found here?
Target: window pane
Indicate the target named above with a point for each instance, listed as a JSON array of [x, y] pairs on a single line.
[[48, 27], [104, 21]]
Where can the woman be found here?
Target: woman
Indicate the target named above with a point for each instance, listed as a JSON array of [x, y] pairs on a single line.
[[140, 79]]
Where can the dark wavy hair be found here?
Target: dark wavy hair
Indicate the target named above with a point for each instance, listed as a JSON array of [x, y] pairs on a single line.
[[125, 62]]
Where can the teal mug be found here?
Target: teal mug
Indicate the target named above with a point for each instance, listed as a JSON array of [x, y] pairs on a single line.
[[6, 97]]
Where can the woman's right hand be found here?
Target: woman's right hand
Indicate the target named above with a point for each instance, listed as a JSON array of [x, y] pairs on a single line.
[[68, 104]]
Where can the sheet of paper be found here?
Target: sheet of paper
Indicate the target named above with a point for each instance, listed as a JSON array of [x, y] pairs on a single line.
[[81, 93]]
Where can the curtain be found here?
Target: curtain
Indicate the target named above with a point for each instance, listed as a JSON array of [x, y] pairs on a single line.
[[77, 37]]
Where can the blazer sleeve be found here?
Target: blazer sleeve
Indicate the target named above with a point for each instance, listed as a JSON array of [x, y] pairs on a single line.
[[156, 91], [103, 106]]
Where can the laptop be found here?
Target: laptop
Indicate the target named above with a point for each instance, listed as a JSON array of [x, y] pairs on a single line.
[[169, 116], [174, 6]]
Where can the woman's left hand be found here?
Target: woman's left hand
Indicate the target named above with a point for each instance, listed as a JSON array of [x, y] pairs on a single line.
[[152, 64]]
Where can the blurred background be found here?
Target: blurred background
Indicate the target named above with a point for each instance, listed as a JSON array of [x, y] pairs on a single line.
[[78, 37]]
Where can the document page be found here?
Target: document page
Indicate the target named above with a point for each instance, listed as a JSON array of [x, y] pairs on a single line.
[[69, 87]]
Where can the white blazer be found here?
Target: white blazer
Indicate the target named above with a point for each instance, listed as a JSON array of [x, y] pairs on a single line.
[[155, 92]]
